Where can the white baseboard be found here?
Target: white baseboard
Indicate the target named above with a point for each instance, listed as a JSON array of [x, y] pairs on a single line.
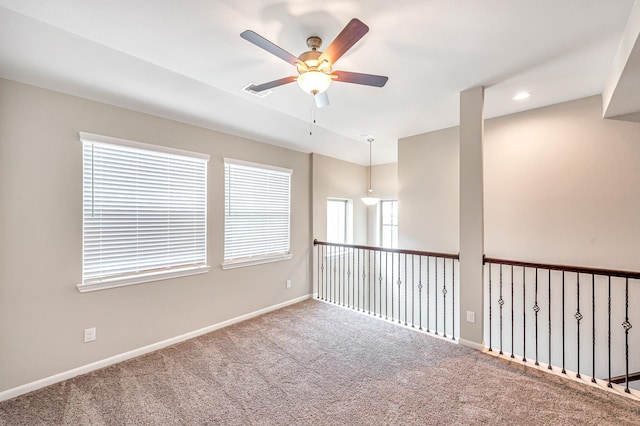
[[472, 345], [65, 375]]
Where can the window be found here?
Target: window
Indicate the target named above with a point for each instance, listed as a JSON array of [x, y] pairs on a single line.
[[389, 223], [256, 213], [144, 212], [338, 221]]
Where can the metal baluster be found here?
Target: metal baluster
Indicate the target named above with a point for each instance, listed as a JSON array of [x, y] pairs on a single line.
[[345, 278], [366, 281], [578, 316], [593, 329], [490, 312], [326, 270], [512, 340], [609, 334], [354, 275], [406, 311], [428, 295], [361, 278], [435, 294], [341, 266], [325, 273], [524, 314], [386, 285], [399, 287], [320, 273], [627, 326], [420, 292], [501, 303], [413, 290], [337, 267], [386, 276], [357, 278], [386, 290], [349, 280], [536, 309], [380, 284], [332, 274], [374, 281], [369, 281], [563, 352], [444, 297], [453, 299], [549, 294], [336, 283]]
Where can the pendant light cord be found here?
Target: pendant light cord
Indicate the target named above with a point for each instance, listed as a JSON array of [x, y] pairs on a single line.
[[370, 189]]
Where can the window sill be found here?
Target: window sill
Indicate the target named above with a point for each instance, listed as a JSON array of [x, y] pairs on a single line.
[[256, 261], [139, 279]]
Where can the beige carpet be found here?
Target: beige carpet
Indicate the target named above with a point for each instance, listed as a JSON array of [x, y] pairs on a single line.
[[318, 364]]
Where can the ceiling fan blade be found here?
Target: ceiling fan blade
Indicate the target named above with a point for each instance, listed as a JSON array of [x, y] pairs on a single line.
[[349, 36], [271, 84], [322, 99], [357, 78], [270, 47]]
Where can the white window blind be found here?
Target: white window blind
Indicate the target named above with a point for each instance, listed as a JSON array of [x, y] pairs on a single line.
[[144, 211], [257, 219]]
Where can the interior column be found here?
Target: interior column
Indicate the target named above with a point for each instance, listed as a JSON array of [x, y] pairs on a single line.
[[471, 217]]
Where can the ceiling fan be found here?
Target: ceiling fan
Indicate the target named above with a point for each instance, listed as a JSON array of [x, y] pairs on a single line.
[[315, 68]]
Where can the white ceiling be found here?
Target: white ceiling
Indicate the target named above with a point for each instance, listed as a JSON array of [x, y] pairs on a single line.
[[185, 60]]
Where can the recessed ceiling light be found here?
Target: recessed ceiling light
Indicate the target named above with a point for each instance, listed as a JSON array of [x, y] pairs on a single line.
[[521, 96]]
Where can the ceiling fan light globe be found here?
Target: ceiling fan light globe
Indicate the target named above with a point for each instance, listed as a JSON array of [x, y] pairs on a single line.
[[314, 82]]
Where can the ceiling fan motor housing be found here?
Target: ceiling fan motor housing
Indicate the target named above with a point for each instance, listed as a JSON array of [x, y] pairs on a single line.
[[314, 42]]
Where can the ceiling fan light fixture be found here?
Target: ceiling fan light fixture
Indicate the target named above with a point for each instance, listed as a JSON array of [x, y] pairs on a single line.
[[314, 66], [314, 82]]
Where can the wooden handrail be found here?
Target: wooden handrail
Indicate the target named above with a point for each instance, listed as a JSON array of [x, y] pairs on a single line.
[[389, 250], [567, 268], [622, 379]]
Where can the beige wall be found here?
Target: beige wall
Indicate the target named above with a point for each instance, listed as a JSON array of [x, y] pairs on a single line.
[[428, 191], [385, 181], [560, 186], [42, 314]]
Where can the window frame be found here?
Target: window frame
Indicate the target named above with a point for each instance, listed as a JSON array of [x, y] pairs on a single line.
[[342, 251], [149, 275], [382, 224], [348, 219], [251, 260]]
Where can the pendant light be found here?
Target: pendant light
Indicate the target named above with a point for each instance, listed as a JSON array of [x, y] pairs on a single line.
[[369, 200]]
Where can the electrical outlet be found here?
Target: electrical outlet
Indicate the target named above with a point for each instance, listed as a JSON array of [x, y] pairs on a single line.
[[288, 283], [471, 316], [89, 334]]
